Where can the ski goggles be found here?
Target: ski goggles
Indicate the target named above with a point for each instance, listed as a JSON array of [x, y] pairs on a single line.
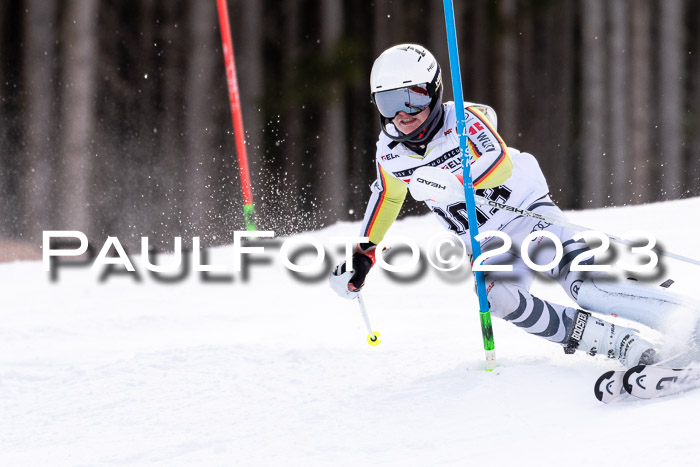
[[412, 100]]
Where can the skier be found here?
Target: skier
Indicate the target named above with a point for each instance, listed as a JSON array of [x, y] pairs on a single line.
[[418, 139]]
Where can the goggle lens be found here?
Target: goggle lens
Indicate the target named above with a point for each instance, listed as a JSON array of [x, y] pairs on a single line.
[[412, 100]]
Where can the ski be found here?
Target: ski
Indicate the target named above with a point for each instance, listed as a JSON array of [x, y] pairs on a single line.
[[609, 387], [649, 382]]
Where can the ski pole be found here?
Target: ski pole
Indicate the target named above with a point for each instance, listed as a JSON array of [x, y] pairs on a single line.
[[484, 310], [373, 336], [553, 220]]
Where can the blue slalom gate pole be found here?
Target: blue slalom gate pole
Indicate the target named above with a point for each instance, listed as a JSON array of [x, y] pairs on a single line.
[[484, 311]]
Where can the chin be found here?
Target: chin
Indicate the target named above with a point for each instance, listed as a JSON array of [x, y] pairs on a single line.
[[407, 130]]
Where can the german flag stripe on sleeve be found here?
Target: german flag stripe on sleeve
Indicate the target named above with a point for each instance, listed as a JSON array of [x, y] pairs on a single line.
[[503, 160], [386, 207], [378, 205], [492, 168]]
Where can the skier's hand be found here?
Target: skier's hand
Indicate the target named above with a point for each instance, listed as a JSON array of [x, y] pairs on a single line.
[[348, 283]]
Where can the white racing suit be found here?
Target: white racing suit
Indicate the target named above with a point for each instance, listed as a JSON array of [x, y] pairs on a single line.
[[508, 176]]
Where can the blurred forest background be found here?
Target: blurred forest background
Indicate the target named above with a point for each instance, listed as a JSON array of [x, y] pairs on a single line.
[[115, 116]]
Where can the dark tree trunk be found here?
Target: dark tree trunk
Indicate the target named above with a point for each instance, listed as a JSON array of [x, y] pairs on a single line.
[[618, 145], [78, 115], [39, 116], [562, 118], [333, 178], [199, 116], [295, 109], [595, 175], [506, 78], [170, 119], [640, 97], [671, 98], [692, 119]]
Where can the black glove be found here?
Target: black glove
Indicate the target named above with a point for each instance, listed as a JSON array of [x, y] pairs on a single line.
[[361, 264], [347, 285]]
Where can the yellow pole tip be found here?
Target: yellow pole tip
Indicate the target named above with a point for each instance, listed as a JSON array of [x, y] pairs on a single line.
[[373, 339]]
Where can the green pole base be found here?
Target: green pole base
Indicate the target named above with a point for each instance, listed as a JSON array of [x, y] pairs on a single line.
[[487, 330], [248, 213], [487, 333]]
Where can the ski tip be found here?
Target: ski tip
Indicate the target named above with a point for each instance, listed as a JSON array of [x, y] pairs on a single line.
[[629, 374], [599, 384]]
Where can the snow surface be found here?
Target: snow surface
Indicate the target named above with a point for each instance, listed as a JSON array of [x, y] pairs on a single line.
[[277, 372]]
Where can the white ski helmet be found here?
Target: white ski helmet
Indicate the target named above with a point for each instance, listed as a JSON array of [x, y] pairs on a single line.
[[406, 78]]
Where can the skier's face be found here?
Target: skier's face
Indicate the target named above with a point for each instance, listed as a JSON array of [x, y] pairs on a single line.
[[407, 123]]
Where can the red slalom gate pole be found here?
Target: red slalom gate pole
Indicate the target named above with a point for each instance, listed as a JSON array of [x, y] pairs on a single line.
[[234, 97]]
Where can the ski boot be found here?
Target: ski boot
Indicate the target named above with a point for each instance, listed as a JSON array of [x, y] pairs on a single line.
[[596, 336]]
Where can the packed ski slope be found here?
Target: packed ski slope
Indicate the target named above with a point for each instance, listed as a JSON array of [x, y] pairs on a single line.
[[277, 372]]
